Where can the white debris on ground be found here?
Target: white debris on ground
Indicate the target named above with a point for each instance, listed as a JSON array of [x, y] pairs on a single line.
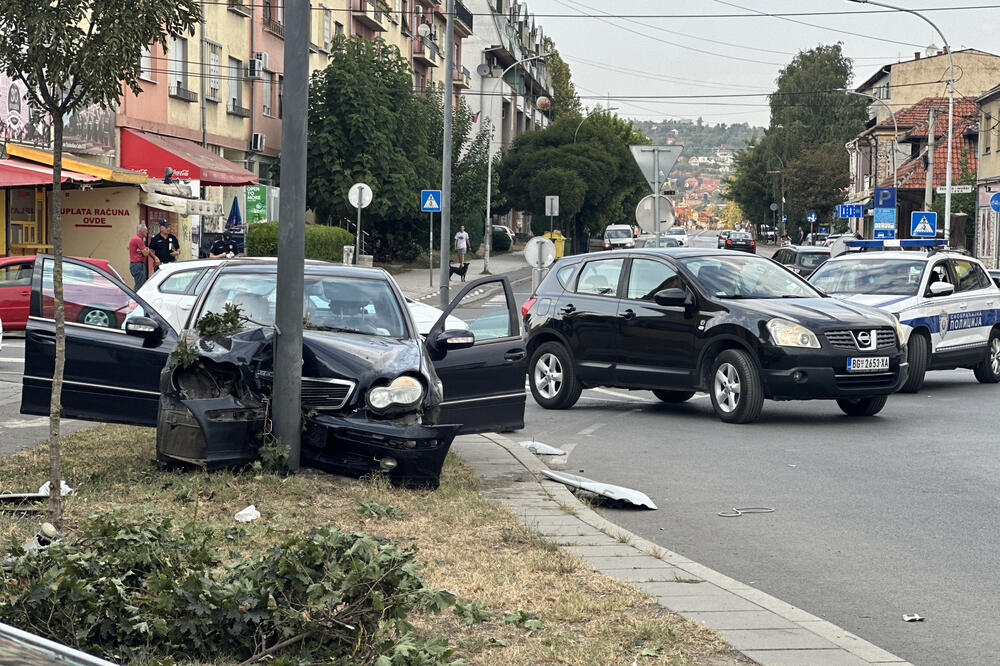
[[247, 515]]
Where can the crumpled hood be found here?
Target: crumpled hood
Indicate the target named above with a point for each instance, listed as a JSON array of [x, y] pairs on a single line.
[[821, 312], [362, 358]]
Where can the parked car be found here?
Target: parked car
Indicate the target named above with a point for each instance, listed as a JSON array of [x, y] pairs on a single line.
[[946, 301], [650, 241], [832, 238], [801, 259], [507, 230], [738, 240], [681, 234], [683, 320], [15, 291], [618, 236], [376, 397], [815, 239], [768, 234]]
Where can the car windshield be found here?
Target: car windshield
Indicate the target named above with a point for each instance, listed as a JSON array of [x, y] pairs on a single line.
[[332, 302], [677, 231], [812, 259], [618, 233], [870, 276], [746, 276]]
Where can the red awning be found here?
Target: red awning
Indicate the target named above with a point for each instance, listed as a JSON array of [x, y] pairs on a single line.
[[152, 153], [16, 173]]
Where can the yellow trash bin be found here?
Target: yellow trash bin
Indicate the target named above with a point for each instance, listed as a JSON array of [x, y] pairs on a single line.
[[558, 240]]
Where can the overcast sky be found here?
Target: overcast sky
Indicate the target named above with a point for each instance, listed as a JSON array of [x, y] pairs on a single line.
[[648, 58]]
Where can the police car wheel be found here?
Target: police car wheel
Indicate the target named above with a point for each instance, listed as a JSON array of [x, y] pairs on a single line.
[[988, 370], [862, 406], [916, 357]]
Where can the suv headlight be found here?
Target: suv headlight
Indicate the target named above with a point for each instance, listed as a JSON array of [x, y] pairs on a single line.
[[789, 334], [402, 391], [900, 330]]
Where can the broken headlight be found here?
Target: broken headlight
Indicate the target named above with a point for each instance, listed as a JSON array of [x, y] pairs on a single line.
[[402, 392]]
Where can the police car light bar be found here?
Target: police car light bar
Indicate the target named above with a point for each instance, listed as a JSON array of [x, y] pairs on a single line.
[[915, 242]]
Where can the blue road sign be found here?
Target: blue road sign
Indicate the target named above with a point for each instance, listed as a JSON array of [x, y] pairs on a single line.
[[784, 218], [995, 202], [430, 201], [824, 228], [923, 223], [885, 234], [811, 217], [885, 197], [849, 210]]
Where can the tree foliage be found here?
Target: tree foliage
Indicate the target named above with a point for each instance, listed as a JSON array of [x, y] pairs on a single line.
[[599, 160], [367, 125], [71, 54], [810, 123], [565, 101]]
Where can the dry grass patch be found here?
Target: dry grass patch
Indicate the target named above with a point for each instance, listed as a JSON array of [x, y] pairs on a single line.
[[475, 547]]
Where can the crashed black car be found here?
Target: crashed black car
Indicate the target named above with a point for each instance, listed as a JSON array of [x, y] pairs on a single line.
[[376, 396]]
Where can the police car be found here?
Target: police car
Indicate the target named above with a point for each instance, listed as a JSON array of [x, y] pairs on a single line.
[[947, 302]]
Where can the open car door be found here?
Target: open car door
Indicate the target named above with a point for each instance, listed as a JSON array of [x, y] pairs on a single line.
[[116, 347], [484, 383]]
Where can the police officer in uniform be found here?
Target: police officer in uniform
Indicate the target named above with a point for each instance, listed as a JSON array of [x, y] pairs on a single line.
[[224, 247], [164, 245]]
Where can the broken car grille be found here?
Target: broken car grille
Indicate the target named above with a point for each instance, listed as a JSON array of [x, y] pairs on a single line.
[[320, 393]]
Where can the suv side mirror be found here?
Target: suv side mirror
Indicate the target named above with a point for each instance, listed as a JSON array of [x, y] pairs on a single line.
[[672, 297], [940, 288], [452, 340], [143, 327]]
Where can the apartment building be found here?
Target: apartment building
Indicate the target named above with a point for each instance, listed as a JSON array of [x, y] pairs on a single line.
[[988, 182]]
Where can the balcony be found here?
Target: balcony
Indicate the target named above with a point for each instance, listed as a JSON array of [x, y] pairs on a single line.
[[234, 109], [239, 7], [462, 78], [369, 14], [178, 91], [464, 17], [273, 26], [421, 54]]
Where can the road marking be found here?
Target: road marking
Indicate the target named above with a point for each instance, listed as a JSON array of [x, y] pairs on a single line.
[[12, 360], [620, 395], [28, 423], [589, 430]]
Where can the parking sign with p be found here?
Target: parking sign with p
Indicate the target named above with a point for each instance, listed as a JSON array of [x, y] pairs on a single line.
[[885, 197]]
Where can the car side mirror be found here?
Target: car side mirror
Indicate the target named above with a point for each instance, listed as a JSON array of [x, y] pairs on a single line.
[[452, 340], [672, 297], [941, 288], [143, 327]]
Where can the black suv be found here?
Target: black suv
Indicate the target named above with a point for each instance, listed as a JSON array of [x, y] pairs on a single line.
[[682, 320], [802, 259]]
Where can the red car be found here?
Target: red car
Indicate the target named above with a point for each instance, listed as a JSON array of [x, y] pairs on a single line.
[[15, 291]]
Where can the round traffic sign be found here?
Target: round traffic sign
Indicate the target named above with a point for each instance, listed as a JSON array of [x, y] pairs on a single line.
[[774, 207], [644, 216], [539, 252], [995, 202], [360, 195]]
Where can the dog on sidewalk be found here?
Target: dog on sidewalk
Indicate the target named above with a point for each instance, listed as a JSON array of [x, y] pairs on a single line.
[[459, 270]]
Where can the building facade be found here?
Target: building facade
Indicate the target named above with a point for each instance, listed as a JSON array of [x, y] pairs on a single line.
[[988, 179]]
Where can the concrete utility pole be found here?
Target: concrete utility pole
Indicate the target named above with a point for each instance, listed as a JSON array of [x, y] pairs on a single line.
[[286, 401], [449, 92]]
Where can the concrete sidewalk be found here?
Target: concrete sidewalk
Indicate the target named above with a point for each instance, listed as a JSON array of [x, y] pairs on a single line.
[[765, 629], [416, 283]]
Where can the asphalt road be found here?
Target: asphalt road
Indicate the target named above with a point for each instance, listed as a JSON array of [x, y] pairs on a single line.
[[873, 518]]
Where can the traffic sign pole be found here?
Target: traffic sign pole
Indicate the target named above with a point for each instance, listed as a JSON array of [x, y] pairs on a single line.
[[430, 247]]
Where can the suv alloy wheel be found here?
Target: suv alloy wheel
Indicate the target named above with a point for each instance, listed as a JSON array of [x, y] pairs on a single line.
[[552, 377], [735, 387]]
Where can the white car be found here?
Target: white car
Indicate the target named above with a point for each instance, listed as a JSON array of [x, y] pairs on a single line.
[[680, 234], [946, 301], [618, 237], [424, 316]]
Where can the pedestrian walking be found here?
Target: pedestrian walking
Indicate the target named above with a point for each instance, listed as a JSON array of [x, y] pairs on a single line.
[[800, 238], [137, 255], [164, 245], [461, 247]]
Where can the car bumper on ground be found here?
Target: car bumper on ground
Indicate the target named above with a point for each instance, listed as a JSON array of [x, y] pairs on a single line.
[[798, 375]]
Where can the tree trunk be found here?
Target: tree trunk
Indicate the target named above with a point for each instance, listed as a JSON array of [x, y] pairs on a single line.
[[55, 405]]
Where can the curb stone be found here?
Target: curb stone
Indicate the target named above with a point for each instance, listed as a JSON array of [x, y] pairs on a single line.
[[765, 629]]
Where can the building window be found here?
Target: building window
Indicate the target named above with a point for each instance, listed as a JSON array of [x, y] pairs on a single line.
[[987, 133], [267, 91], [214, 63], [146, 65], [327, 28], [274, 17], [338, 28], [177, 57], [234, 94], [281, 94]]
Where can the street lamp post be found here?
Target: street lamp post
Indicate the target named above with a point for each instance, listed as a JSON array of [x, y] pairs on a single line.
[[488, 240], [589, 113], [951, 107]]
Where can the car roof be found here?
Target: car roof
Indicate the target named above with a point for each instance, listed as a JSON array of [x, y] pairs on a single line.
[[320, 267], [819, 249], [904, 255]]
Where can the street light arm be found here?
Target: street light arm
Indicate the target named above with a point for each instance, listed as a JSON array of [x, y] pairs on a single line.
[[589, 113]]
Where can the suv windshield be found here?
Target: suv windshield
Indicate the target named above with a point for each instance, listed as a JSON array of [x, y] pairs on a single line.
[[618, 233], [746, 276], [677, 231], [353, 305], [870, 276]]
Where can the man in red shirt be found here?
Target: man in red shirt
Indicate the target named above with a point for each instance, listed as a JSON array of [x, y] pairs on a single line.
[[137, 253]]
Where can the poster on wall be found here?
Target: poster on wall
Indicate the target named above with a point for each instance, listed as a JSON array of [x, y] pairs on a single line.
[[19, 121], [90, 131], [256, 198]]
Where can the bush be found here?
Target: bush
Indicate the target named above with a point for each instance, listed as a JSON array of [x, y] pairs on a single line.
[[501, 241], [137, 590], [322, 242]]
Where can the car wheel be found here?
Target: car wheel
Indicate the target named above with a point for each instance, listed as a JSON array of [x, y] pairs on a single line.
[[916, 358], [862, 406], [735, 387], [95, 317], [673, 396], [552, 377], [988, 371]]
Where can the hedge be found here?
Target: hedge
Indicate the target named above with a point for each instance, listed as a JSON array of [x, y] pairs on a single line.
[[322, 242], [501, 241]]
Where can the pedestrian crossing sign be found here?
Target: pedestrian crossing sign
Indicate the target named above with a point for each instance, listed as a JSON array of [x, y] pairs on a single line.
[[430, 201], [923, 224]]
